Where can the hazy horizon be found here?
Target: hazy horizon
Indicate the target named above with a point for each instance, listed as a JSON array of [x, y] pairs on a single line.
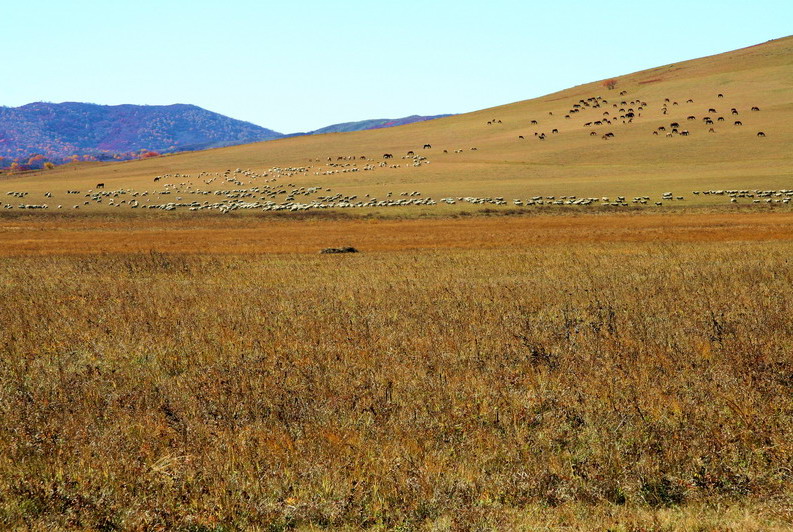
[[306, 65]]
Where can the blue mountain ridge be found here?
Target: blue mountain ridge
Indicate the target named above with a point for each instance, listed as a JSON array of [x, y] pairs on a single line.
[[40, 132]]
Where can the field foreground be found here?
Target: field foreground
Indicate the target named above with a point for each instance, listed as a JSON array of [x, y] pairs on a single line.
[[80, 235], [546, 372]]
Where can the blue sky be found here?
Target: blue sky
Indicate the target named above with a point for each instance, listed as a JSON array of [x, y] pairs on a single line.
[[300, 65]]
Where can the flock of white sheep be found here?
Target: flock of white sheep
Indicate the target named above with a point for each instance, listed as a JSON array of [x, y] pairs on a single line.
[[262, 191], [270, 196]]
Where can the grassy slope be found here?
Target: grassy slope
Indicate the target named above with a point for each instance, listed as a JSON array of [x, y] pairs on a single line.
[[572, 162]]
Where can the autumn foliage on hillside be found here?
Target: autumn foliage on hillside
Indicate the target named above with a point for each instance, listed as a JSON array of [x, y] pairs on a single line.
[[36, 133]]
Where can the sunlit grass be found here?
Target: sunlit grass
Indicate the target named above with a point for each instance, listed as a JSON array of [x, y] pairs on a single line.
[[585, 385]]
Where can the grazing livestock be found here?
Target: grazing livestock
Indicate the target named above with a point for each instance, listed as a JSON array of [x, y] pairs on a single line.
[[100, 185], [534, 122], [711, 110], [760, 134], [721, 95], [520, 136], [593, 133], [388, 156], [711, 130], [427, 146], [755, 108], [554, 130], [734, 111], [738, 123]]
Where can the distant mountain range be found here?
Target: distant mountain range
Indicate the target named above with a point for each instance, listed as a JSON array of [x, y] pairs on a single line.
[[36, 134]]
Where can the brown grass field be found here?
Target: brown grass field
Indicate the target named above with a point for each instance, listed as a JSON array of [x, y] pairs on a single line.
[[627, 383], [535, 372], [95, 234], [549, 368]]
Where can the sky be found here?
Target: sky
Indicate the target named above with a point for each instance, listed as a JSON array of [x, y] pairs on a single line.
[[299, 65]]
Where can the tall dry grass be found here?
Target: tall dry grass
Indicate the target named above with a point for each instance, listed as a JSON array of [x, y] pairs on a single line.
[[580, 386]]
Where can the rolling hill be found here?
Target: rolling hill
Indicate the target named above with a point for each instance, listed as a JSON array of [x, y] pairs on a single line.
[[498, 151], [375, 123]]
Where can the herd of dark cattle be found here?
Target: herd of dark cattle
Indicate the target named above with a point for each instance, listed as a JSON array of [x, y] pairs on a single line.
[[626, 111]]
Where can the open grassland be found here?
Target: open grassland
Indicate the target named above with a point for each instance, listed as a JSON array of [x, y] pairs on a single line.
[[576, 161], [603, 372], [544, 367], [289, 233]]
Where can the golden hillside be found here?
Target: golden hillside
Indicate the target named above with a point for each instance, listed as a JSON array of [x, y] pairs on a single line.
[[575, 161]]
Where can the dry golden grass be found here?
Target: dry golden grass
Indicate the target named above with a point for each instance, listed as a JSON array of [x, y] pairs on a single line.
[[57, 235], [585, 370], [631, 383]]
